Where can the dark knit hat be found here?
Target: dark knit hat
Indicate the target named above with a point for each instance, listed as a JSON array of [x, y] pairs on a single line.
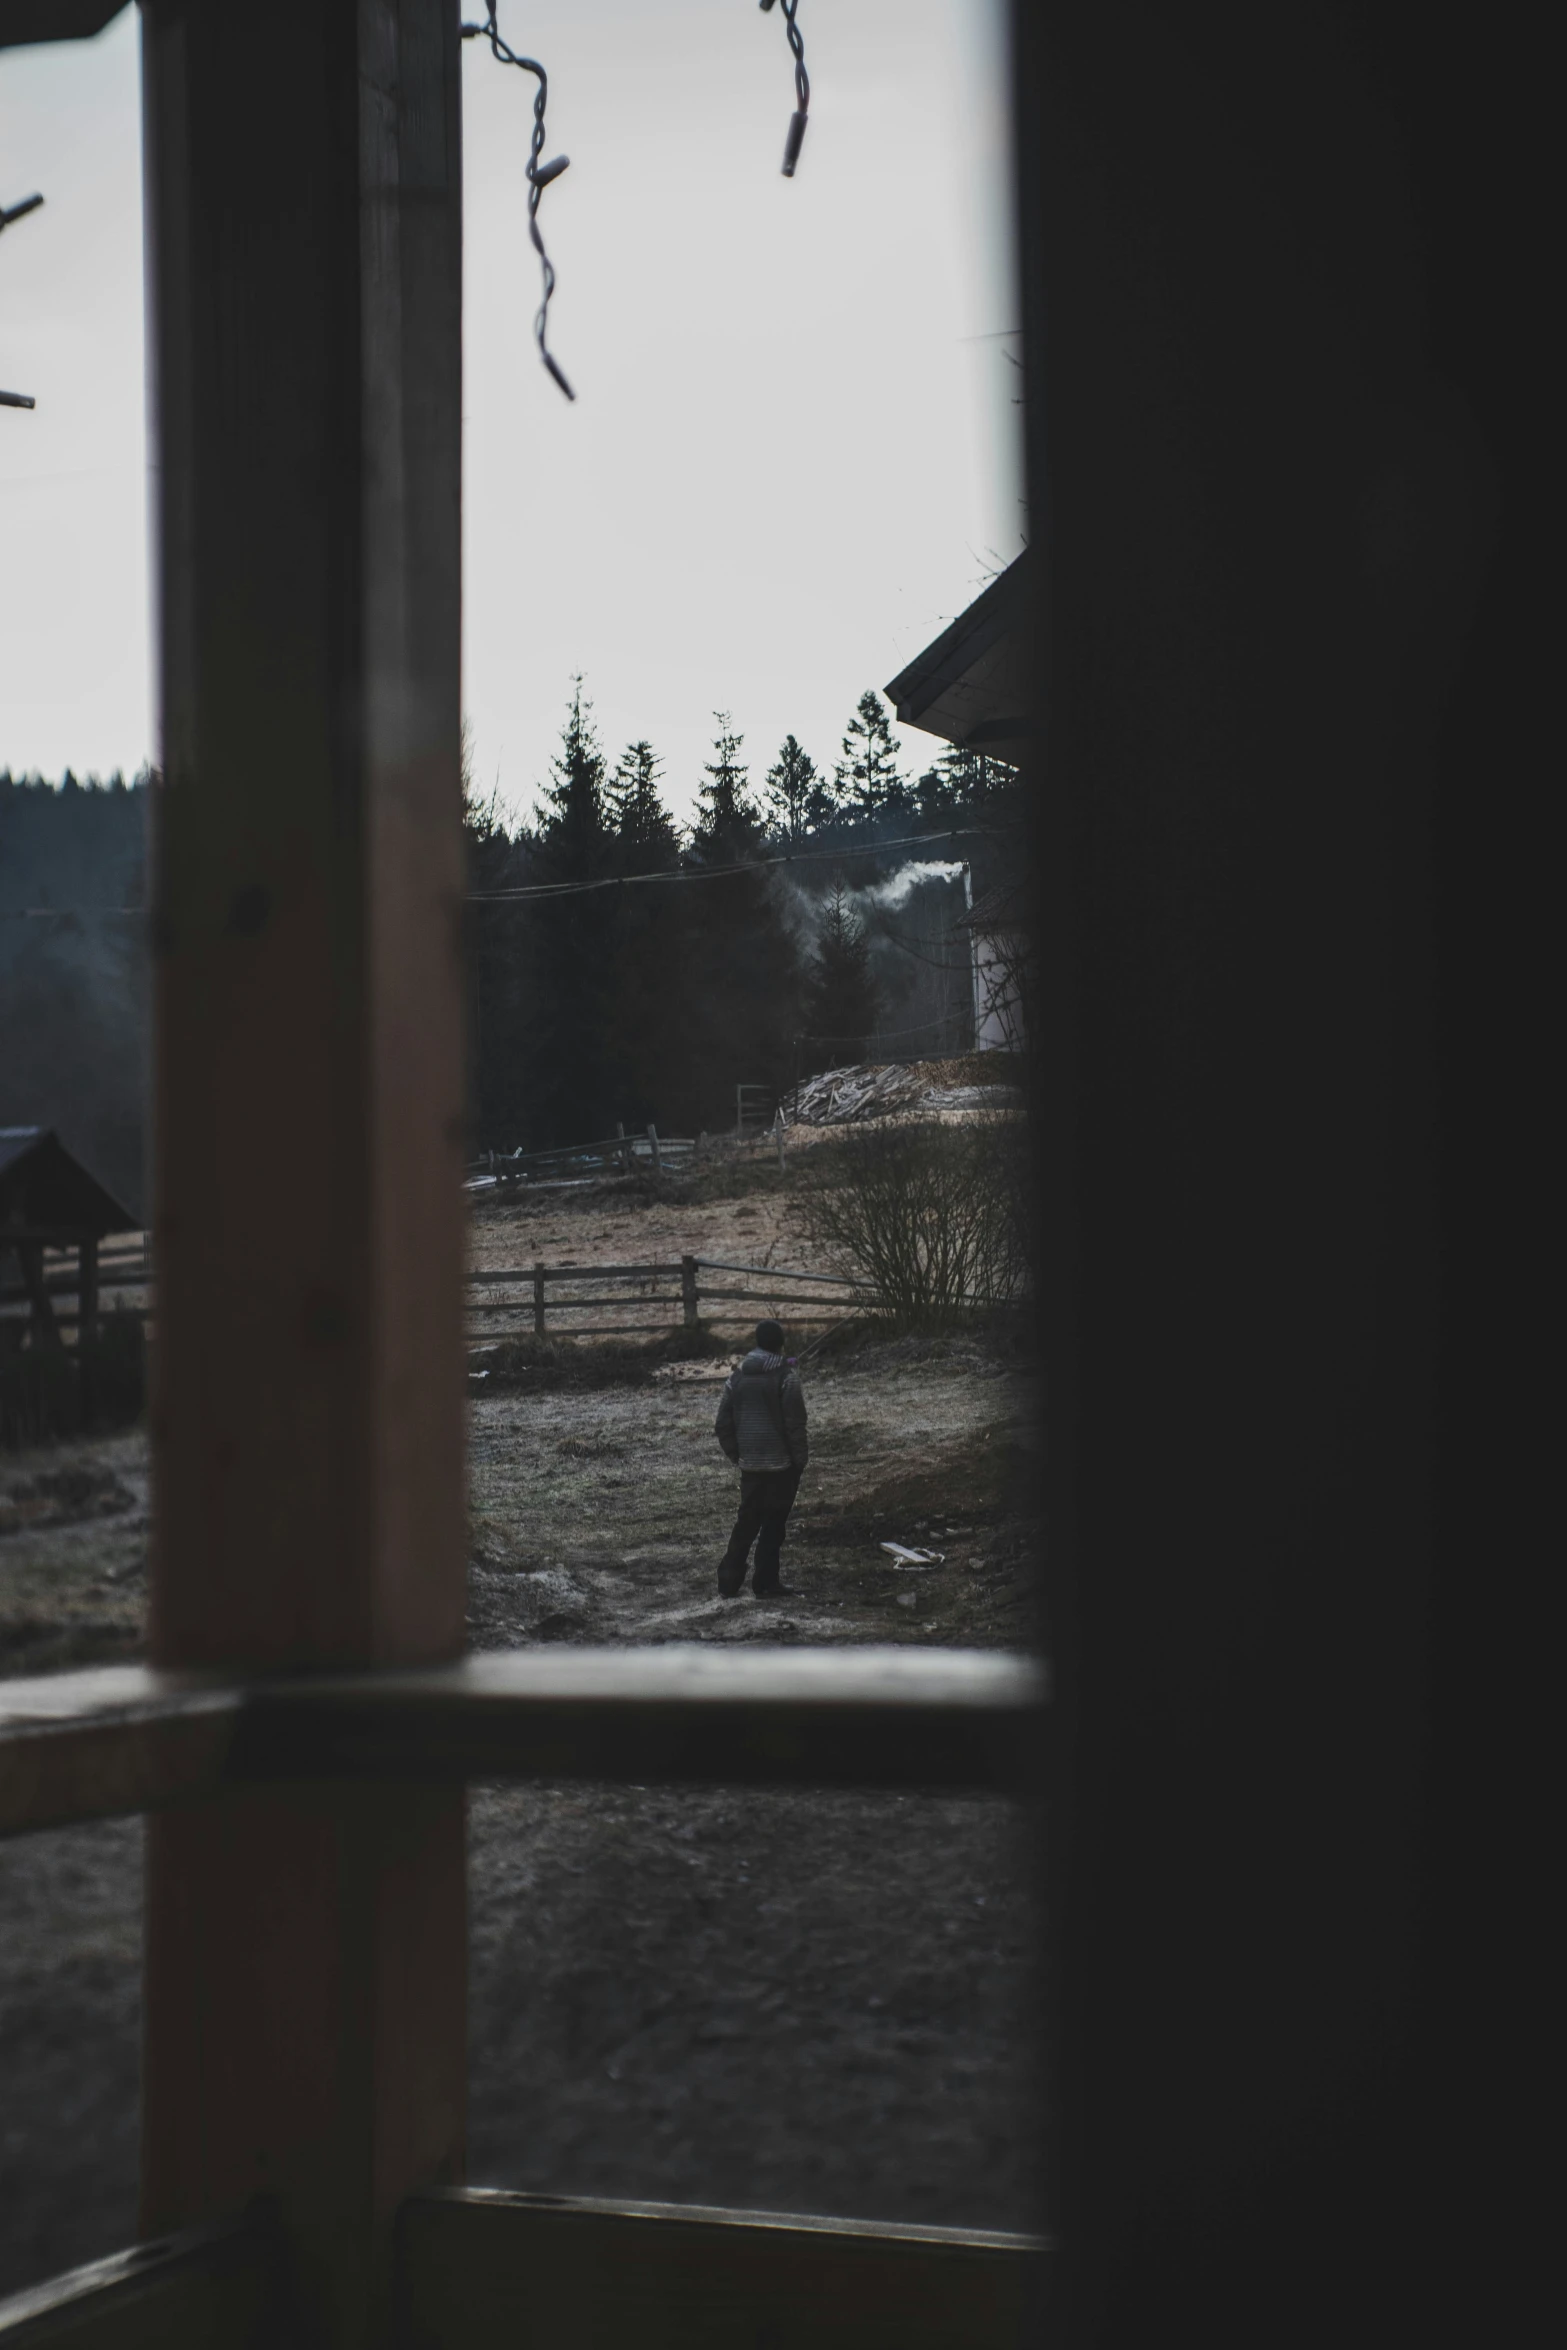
[[770, 1338]]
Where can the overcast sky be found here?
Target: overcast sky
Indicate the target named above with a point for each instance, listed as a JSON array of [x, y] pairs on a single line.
[[792, 456]]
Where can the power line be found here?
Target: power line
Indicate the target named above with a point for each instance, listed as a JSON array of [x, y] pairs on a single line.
[[571, 889]]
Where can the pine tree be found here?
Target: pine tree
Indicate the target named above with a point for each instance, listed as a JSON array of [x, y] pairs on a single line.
[[728, 823], [647, 950], [565, 949], [574, 833], [795, 792], [840, 993], [932, 796], [970, 777], [641, 822], [867, 776]]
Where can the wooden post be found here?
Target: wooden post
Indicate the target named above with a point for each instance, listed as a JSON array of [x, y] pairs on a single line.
[[304, 2028], [652, 1136], [87, 1293], [86, 1329], [538, 1299], [688, 1290], [45, 1328], [625, 1147]]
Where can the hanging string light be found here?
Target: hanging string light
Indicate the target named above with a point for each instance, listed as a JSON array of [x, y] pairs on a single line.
[[802, 87], [18, 212], [539, 176]]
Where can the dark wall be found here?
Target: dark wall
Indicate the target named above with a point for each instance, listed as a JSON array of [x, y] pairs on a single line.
[[1263, 468]]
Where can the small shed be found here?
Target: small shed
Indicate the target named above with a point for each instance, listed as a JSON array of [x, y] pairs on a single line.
[[49, 1200], [998, 938]]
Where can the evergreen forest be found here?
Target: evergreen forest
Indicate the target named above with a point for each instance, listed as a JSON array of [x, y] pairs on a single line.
[[658, 967]]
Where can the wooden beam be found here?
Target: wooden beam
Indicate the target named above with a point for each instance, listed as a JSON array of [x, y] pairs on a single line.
[[125, 1738], [305, 2021], [87, 1288], [82, 1746], [307, 1412], [482, 2268], [186, 2292], [305, 1948], [883, 1717]]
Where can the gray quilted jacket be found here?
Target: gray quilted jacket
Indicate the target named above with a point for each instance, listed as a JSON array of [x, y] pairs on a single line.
[[761, 1415]]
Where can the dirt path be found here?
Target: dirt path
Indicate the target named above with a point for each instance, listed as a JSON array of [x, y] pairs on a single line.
[[601, 1516], [651, 1968]]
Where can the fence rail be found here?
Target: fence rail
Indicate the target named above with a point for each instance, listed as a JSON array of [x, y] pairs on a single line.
[[97, 1278], [668, 1296], [624, 1153], [671, 1295], [674, 1295]]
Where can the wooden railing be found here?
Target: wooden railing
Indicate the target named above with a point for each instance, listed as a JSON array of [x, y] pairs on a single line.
[[624, 1154], [120, 1268], [485, 2268], [620, 1154], [548, 1299], [666, 1295], [479, 2267]]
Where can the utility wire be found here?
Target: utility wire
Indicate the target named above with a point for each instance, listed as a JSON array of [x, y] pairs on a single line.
[[576, 889], [572, 889], [878, 1036], [539, 176]]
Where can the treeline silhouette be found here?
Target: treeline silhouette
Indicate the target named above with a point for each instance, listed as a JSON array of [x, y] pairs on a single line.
[[73, 969], [654, 1001]]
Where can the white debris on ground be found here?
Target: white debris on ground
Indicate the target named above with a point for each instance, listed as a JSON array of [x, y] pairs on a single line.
[[889, 1089]]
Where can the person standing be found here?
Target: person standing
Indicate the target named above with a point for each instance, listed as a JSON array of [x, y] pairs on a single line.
[[761, 1428]]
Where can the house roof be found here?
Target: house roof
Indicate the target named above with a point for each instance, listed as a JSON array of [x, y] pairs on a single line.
[[22, 21], [46, 1193], [969, 686]]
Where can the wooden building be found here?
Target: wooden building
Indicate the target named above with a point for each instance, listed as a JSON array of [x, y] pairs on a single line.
[[972, 684], [49, 1200]]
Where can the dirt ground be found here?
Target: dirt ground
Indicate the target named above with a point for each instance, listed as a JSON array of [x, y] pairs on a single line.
[[651, 1968]]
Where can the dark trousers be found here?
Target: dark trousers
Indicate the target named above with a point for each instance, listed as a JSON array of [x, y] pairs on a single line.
[[766, 1498]]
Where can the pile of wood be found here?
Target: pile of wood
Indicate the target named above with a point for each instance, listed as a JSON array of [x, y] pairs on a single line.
[[889, 1090]]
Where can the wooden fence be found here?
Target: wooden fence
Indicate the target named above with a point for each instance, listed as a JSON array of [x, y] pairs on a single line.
[[620, 1154], [558, 1300], [623, 1154], [120, 1268], [540, 1297]]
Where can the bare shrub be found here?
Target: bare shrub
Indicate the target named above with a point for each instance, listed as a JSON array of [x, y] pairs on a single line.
[[925, 1216]]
